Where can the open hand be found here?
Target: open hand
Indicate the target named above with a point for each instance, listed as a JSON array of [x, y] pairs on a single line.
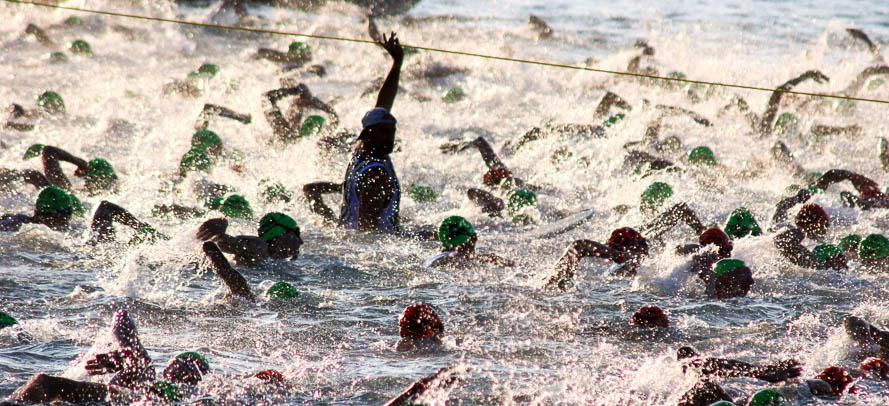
[[392, 46], [212, 228]]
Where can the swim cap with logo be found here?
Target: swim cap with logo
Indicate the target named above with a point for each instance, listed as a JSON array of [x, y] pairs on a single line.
[[283, 290], [53, 200], [33, 151], [701, 156], [236, 206], [100, 173], [205, 139], [519, 199], [311, 126], [454, 231], [826, 252], [655, 195], [874, 246], [741, 223], [786, 123], [299, 49], [423, 194], [274, 224], [850, 242], [51, 102], [767, 397], [194, 160], [80, 47], [6, 320]]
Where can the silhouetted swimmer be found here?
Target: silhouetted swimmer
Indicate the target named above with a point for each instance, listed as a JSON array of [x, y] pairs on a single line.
[[703, 393], [49, 104], [766, 123], [237, 284], [543, 29], [278, 237], [458, 239], [871, 46], [865, 333], [211, 110], [626, 247], [102, 228], [53, 208], [292, 126], [98, 174], [650, 316]]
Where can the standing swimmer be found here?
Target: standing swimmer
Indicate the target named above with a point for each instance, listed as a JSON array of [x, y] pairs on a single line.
[[371, 193]]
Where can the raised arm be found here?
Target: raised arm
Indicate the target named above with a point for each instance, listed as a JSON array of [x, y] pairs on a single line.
[[245, 248], [672, 216], [768, 117], [790, 245], [784, 205], [313, 193], [211, 110], [386, 98], [107, 213], [860, 35], [53, 170], [567, 264], [236, 283], [862, 78], [608, 100], [862, 184]]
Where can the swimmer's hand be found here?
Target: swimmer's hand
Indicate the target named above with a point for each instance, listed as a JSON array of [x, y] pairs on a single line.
[[81, 171], [393, 47], [454, 147], [110, 362], [212, 228], [780, 371], [817, 76]]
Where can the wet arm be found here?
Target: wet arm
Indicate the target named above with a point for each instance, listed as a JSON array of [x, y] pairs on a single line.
[[768, 116], [861, 183], [784, 205], [862, 78], [489, 203], [211, 110], [236, 283], [282, 128], [44, 388], [243, 247], [672, 216], [386, 97], [419, 387], [610, 99], [567, 264], [313, 193], [40, 35], [860, 35], [107, 213], [789, 244], [53, 170]]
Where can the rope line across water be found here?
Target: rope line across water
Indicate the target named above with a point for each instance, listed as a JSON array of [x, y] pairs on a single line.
[[446, 51]]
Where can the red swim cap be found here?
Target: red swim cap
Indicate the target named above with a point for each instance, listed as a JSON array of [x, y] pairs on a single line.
[[650, 316], [627, 240], [420, 321], [717, 237], [270, 376], [495, 176], [877, 366], [837, 377], [813, 219]]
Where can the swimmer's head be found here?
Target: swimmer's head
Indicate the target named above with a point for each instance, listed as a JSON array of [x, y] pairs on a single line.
[[419, 321], [731, 278], [495, 176], [767, 397], [650, 316], [299, 50], [838, 378], [207, 141], [51, 102], [718, 238], [379, 130], [629, 242], [876, 366], [519, 199], [80, 47], [282, 234], [33, 152], [311, 126], [53, 200], [655, 195], [455, 231], [741, 223], [423, 194], [208, 69], [813, 220], [187, 367], [874, 247], [194, 160], [850, 243], [236, 206], [830, 254], [99, 175], [701, 156], [685, 353], [282, 290]]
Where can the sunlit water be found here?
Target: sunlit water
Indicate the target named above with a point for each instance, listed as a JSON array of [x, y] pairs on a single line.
[[520, 345]]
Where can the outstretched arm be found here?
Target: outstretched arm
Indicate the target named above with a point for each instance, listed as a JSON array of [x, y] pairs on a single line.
[[732, 368], [245, 248], [313, 193], [790, 245], [672, 216], [862, 78], [860, 35], [211, 110], [439, 378], [772, 108], [567, 264], [489, 203], [386, 98], [103, 222], [784, 205], [41, 36], [53, 170], [236, 283], [864, 185], [608, 100], [29, 176]]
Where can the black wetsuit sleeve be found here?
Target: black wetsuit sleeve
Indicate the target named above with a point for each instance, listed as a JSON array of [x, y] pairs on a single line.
[[247, 249], [13, 222], [789, 244], [51, 168], [236, 283], [313, 193]]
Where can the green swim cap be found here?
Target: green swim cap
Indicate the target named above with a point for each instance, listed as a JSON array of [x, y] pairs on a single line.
[[656, 194], [166, 390], [274, 224], [723, 403], [741, 223], [52, 200], [424, 194], [204, 140], [6, 320], [236, 206], [455, 230], [454, 95], [76, 206], [208, 69], [51, 102], [194, 160], [850, 242], [213, 202], [197, 358], [299, 50], [786, 123], [874, 246], [701, 156], [519, 199], [311, 126], [80, 47], [274, 191], [58, 57], [100, 173], [676, 75], [767, 397], [33, 151], [613, 119], [283, 290], [825, 252], [727, 265], [73, 20]]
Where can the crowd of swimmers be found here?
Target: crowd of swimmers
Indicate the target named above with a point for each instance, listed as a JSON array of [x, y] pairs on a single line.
[[371, 196]]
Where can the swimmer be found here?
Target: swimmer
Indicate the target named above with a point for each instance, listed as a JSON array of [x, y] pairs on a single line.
[[765, 125], [278, 237], [102, 228], [134, 377], [298, 54], [98, 174], [869, 194], [441, 378], [237, 284], [194, 83], [53, 208], [458, 239], [863, 77], [650, 317], [626, 247], [49, 104], [721, 367], [498, 175], [371, 192], [703, 393], [419, 327], [292, 127], [541, 27]]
